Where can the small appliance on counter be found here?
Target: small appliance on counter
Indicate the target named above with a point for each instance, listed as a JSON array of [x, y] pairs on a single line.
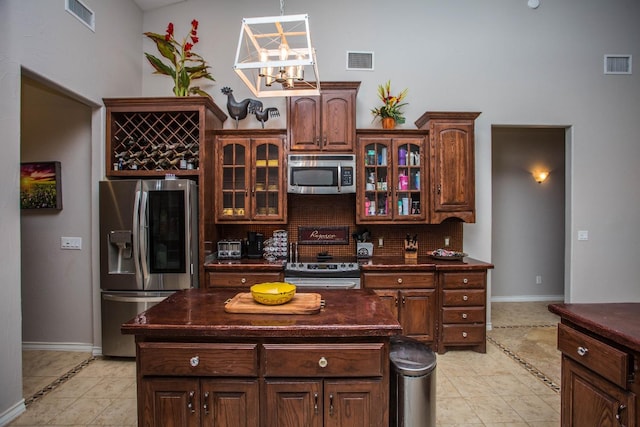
[[364, 248], [230, 249], [255, 245]]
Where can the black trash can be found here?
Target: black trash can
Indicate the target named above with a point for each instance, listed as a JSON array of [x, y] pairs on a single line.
[[413, 384]]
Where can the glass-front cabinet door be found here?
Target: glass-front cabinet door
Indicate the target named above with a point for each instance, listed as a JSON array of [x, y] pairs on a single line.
[[267, 203], [250, 180], [392, 179], [232, 198]]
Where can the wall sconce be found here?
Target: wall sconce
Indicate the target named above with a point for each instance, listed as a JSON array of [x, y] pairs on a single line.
[[540, 176]]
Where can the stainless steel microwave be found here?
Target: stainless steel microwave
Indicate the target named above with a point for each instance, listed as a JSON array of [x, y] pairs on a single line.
[[321, 173]]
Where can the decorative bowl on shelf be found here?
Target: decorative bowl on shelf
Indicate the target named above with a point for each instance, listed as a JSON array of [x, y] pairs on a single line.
[[446, 254], [273, 293]]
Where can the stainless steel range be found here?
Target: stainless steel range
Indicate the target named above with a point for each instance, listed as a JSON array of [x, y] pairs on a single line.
[[329, 274]]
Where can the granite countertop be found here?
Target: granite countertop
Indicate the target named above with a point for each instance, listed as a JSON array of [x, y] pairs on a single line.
[[200, 313], [618, 322]]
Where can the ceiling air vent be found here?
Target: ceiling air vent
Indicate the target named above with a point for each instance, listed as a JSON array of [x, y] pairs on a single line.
[[360, 61], [82, 12], [617, 64]]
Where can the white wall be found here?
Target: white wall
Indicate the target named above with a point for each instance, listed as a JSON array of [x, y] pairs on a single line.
[[41, 37], [515, 65]]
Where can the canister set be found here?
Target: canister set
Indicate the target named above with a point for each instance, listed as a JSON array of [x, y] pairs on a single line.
[[277, 246]]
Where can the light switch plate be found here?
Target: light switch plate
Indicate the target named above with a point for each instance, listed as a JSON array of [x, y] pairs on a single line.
[[71, 243]]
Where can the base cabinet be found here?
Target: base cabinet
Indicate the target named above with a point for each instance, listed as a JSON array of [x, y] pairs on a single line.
[[200, 402], [411, 297], [342, 403]]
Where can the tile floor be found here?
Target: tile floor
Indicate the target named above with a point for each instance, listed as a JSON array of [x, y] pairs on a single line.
[[472, 389]]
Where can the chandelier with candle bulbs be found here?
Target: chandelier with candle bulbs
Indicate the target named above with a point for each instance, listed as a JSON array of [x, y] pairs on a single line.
[[275, 56]]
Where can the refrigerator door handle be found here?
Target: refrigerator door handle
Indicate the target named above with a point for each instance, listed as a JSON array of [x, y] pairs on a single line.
[[143, 238], [117, 298], [136, 239]]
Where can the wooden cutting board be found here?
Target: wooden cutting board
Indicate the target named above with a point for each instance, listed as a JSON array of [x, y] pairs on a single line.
[[301, 303]]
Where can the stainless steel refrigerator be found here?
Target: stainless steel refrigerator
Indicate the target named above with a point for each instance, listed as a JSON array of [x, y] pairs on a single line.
[[148, 250]]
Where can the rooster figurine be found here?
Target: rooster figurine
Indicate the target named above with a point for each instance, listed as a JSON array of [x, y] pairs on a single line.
[[263, 115], [239, 109]]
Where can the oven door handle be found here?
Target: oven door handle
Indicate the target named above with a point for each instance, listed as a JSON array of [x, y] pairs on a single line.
[[319, 283]]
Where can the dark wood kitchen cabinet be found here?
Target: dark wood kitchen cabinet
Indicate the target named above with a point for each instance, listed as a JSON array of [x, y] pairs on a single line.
[[326, 122], [391, 177], [463, 296], [452, 164], [249, 184], [149, 137], [600, 345], [411, 297], [198, 365]]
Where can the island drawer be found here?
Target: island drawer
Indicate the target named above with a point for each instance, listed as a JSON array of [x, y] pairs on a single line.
[[240, 280], [324, 360], [463, 334], [607, 361], [467, 279], [399, 280], [466, 297], [198, 359], [463, 315]]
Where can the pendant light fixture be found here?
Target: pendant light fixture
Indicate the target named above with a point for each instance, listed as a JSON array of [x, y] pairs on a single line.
[[275, 56]]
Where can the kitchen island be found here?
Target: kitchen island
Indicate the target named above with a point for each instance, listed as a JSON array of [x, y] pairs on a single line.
[[199, 365], [600, 345]]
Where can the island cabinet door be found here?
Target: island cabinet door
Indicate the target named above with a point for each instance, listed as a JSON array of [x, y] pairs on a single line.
[[170, 402], [293, 403], [230, 403], [355, 403]]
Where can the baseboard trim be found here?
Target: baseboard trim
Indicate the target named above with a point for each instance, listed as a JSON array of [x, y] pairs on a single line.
[[528, 298], [12, 413], [58, 346]]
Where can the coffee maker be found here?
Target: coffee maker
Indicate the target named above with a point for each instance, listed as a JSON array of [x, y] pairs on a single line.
[[255, 244]]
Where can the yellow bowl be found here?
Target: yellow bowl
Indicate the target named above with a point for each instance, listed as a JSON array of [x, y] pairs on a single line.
[[273, 293]]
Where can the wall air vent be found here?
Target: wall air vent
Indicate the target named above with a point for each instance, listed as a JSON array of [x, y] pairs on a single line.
[[360, 61], [82, 12], [617, 64]]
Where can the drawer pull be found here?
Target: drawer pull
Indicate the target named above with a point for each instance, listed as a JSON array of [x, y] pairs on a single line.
[[465, 280], [190, 402], [464, 315], [194, 361], [399, 279], [205, 405], [465, 298], [464, 335], [315, 403], [243, 280], [582, 351], [323, 362]]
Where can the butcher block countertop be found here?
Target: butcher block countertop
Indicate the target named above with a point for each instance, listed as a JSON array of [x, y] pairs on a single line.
[[201, 313], [618, 322]]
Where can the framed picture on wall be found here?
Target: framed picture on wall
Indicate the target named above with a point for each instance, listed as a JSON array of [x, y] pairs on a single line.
[[40, 186]]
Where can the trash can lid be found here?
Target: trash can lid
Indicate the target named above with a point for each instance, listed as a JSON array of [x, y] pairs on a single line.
[[410, 357]]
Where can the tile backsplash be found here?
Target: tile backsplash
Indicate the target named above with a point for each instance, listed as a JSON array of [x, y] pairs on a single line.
[[332, 210]]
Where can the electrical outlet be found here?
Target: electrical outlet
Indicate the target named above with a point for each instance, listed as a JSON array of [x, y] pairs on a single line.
[[71, 243], [380, 242], [538, 280], [583, 234], [447, 241]]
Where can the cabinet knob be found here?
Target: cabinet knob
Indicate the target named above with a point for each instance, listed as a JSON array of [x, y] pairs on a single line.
[[582, 351], [464, 335], [323, 362], [465, 298], [399, 279], [464, 315], [194, 361], [243, 280], [465, 280]]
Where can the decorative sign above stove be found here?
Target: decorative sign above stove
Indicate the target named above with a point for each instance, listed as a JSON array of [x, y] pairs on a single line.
[[338, 235]]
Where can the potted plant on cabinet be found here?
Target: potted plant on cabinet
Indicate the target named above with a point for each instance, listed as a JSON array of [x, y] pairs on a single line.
[[390, 113]]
